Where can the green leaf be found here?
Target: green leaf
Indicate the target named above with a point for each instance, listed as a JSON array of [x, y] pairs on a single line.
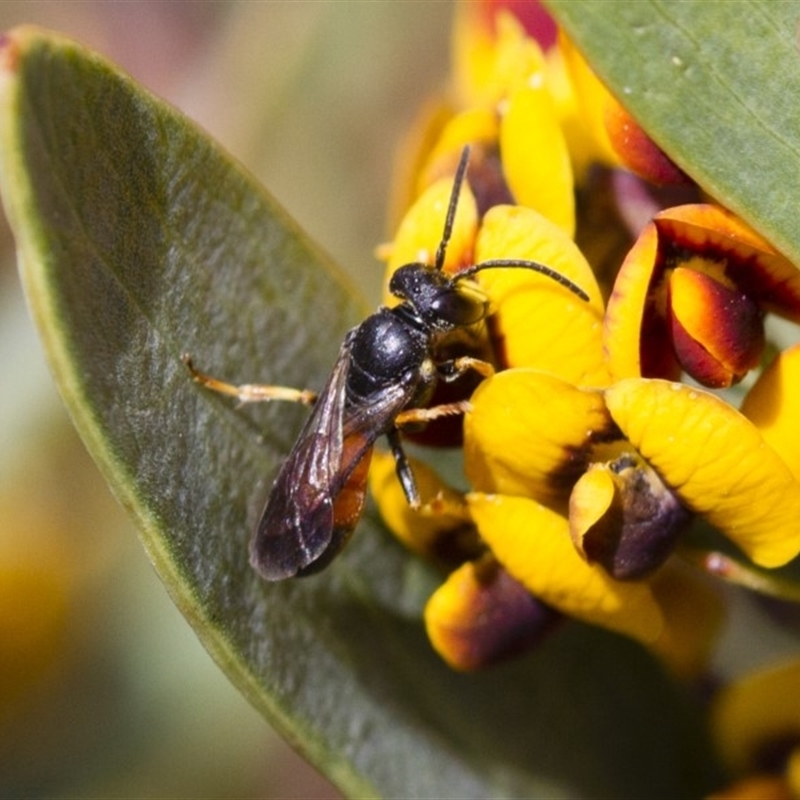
[[140, 240], [715, 85]]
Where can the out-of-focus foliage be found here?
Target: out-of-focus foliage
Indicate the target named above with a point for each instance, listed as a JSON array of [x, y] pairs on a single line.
[[105, 689]]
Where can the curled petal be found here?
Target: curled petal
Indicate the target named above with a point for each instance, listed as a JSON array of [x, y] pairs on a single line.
[[717, 330], [716, 461], [536, 161], [740, 255], [539, 323], [753, 715], [481, 615], [442, 530], [592, 504], [624, 518], [635, 334], [711, 241], [533, 544], [529, 433], [772, 406]]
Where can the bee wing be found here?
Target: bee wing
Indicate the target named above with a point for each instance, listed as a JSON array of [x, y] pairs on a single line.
[[296, 526], [299, 511]]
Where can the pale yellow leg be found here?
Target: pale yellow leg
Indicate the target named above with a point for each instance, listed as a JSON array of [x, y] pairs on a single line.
[[250, 392], [412, 416]]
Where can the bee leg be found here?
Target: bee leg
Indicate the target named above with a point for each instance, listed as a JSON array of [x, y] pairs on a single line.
[[456, 367], [448, 502], [404, 472], [414, 416], [249, 392]]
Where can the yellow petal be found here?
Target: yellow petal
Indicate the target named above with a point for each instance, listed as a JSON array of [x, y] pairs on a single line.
[[529, 433], [717, 462], [475, 126], [538, 322], [411, 154], [533, 544], [515, 232], [550, 332], [750, 714], [579, 140], [591, 500], [536, 161], [772, 406]]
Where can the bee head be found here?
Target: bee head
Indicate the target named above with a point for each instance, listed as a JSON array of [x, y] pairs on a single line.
[[441, 302]]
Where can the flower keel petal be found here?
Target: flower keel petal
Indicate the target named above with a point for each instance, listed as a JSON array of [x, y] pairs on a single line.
[[716, 461], [481, 615], [533, 544], [528, 433]]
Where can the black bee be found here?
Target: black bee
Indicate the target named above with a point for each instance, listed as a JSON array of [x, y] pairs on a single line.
[[383, 377]]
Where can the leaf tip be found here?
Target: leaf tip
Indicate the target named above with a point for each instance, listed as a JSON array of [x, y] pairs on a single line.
[[9, 52], [13, 44]]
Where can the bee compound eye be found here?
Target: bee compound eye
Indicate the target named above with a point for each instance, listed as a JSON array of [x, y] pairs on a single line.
[[459, 305]]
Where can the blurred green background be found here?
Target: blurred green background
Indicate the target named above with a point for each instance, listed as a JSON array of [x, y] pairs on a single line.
[[104, 689]]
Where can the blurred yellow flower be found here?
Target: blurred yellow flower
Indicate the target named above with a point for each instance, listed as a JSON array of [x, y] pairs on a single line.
[[755, 722], [534, 119]]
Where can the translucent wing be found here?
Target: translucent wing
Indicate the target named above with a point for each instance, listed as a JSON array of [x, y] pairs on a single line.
[[297, 524]]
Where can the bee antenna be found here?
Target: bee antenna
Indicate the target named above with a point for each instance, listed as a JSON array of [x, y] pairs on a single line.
[[441, 251], [534, 266]]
